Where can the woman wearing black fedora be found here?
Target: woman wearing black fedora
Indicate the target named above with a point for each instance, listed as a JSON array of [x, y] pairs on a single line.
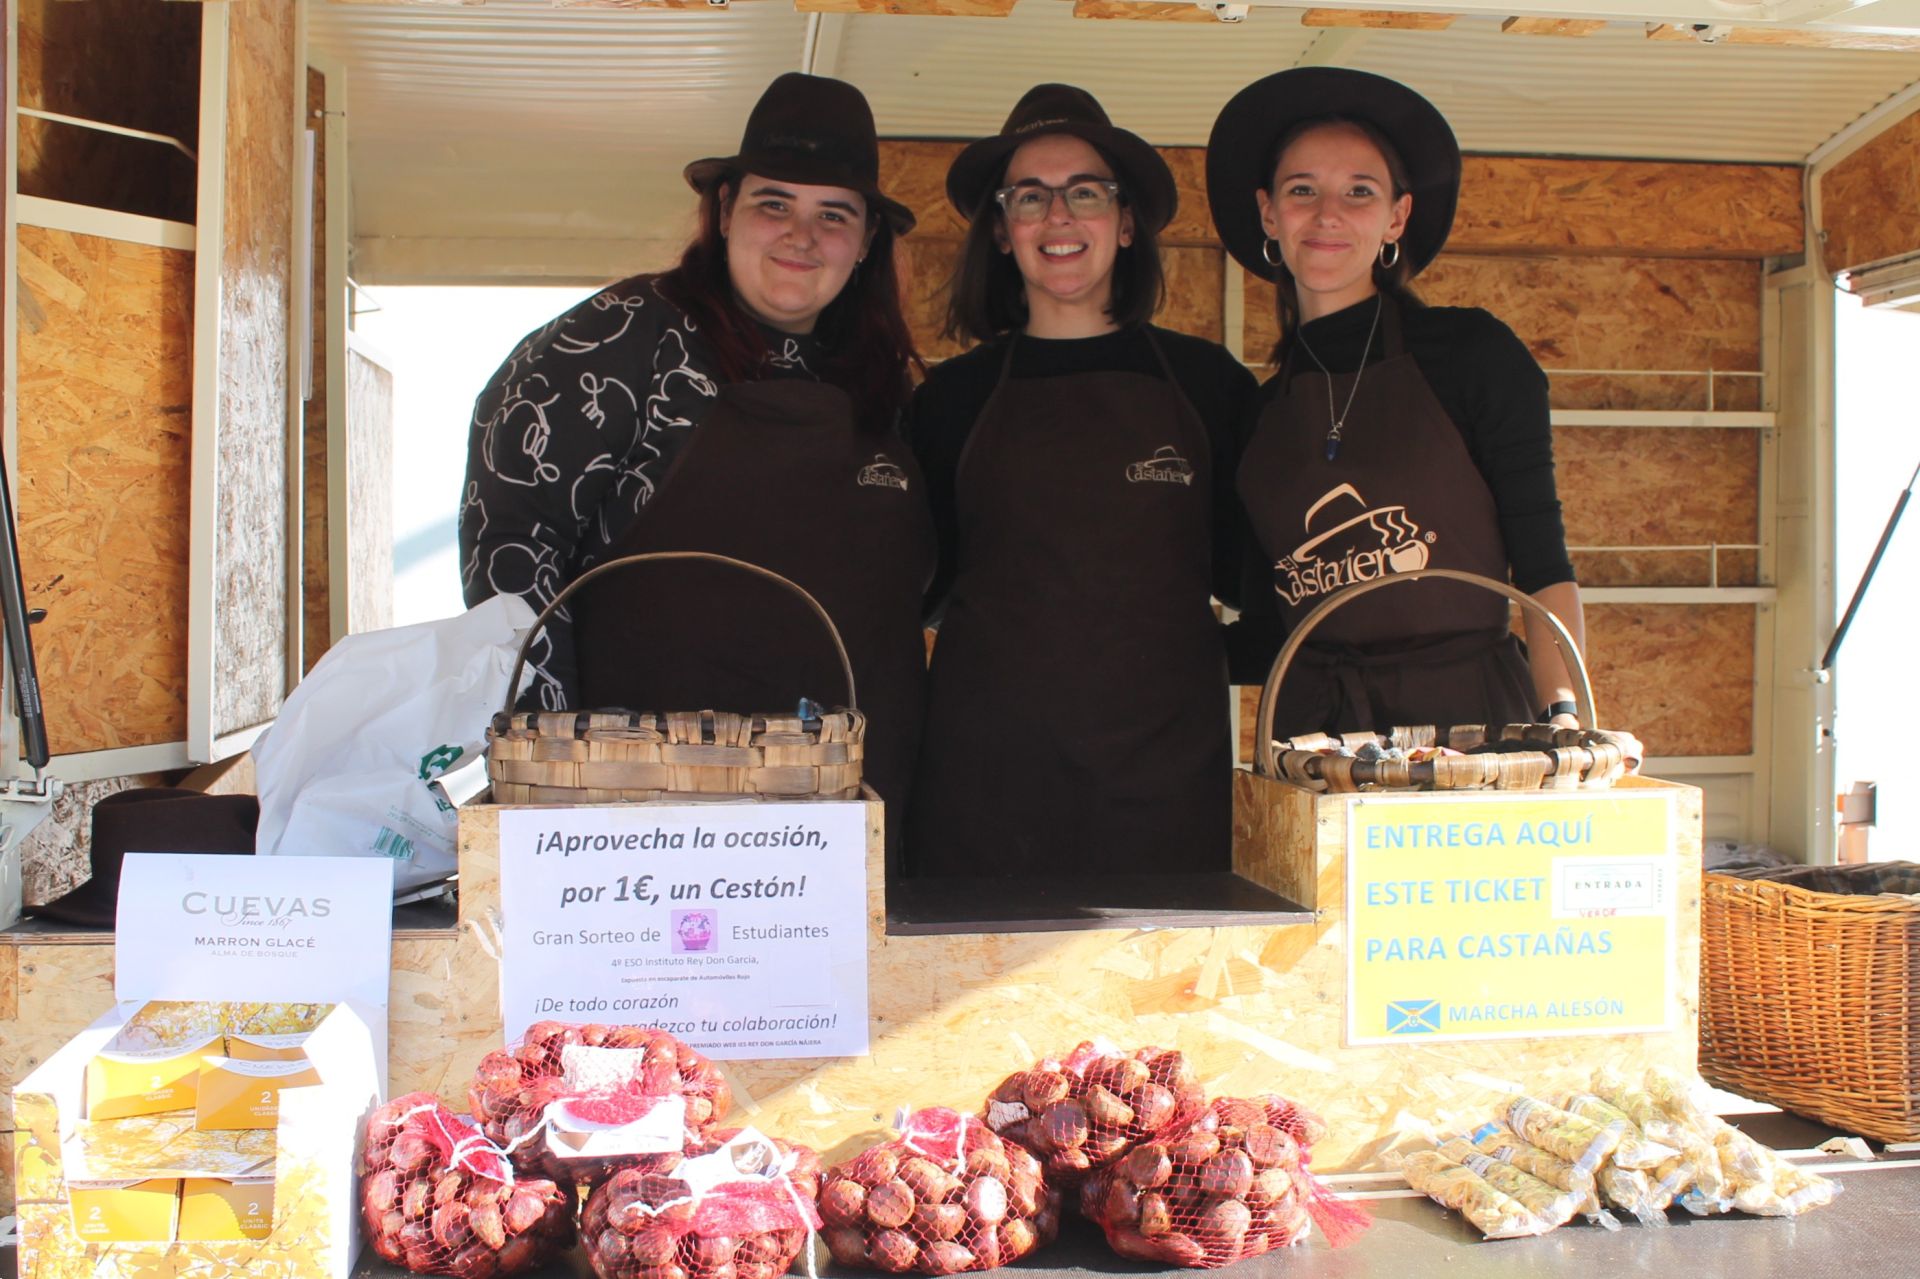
[[745, 403], [1079, 463], [1395, 436]]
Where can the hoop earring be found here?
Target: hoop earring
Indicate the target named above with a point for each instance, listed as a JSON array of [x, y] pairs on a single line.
[[1270, 252], [1388, 263]]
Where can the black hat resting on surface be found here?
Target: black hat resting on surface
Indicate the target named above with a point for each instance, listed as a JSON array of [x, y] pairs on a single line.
[[153, 819], [814, 131], [1144, 178], [1241, 153]]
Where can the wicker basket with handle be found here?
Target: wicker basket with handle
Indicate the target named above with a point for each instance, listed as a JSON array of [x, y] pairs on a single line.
[[622, 756], [1564, 758], [1810, 999]]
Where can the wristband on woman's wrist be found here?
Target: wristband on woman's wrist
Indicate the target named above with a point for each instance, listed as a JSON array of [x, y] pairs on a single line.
[[1559, 708]]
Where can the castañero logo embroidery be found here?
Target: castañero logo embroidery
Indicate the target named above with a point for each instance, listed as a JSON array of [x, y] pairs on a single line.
[[1369, 543], [883, 473], [1166, 466]]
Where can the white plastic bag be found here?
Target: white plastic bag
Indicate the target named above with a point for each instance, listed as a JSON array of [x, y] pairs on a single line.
[[350, 767]]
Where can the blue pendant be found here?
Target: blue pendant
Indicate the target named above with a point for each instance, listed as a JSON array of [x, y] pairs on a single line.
[[1333, 446]]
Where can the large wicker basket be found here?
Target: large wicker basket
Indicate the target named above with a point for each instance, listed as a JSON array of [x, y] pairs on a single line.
[[622, 756], [1535, 756], [1810, 999]]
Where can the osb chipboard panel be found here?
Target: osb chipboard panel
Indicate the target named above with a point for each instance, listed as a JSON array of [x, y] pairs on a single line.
[[315, 588], [1508, 204], [1196, 285], [369, 494], [55, 855], [1656, 486], [1589, 313], [1554, 204], [61, 990], [1666, 568], [127, 62], [925, 266], [1690, 392], [1870, 201], [250, 576], [1255, 1008], [105, 392], [1680, 677]]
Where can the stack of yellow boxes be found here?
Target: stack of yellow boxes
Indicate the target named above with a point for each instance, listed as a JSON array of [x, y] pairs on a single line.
[[181, 1110]]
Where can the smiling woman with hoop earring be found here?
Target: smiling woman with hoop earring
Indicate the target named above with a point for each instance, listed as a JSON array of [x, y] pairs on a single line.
[[1394, 436], [1079, 464]]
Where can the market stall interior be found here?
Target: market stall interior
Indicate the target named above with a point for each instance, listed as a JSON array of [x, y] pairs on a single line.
[[200, 445]]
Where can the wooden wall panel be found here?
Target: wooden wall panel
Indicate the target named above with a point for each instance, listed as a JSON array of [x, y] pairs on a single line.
[[1588, 313], [1680, 676], [1196, 288], [315, 593], [251, 536], [1624, 486], [1870, 201], [125, 62], [369, 494], [105, 388], [924, 267]]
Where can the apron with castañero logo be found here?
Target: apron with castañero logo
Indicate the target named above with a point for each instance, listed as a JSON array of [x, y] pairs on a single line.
[[777, 475], [1402, 493], [1077, 714]]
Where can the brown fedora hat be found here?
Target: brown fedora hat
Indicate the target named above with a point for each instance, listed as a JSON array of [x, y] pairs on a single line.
[[1240, 153], [814, 131], [151, 819], [1144, 178]]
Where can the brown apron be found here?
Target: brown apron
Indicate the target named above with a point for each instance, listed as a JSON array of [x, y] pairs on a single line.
[[1402, 493], [1077, 710], [776, 475]]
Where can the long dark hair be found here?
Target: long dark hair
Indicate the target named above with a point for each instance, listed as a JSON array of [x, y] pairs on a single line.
[[1396, 281], [869, 349], [987, 295]]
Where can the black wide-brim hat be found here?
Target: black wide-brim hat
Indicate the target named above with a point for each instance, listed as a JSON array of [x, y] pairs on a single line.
[[1241, 153], [816, 132], [1144, 178], [151, 819]]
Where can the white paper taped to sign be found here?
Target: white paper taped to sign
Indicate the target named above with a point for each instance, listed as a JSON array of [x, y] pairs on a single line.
[[740, 928], [245, 929]]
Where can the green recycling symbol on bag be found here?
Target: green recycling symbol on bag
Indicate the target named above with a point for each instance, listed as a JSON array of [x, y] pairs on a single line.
[[434, 764]]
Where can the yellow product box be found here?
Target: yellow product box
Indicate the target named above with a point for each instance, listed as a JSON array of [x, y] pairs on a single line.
[[217, 1210], [267, 1047], [125, 1211], [123, 1080], [246, 1094]]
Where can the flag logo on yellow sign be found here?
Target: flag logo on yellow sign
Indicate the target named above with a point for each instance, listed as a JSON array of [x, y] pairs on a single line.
[[1413, 1016]]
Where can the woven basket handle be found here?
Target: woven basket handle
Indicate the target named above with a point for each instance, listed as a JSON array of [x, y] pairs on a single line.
[[1266, 759], [839, 645]]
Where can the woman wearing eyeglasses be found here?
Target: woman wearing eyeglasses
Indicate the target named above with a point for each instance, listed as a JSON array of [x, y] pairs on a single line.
[[1079, 465]]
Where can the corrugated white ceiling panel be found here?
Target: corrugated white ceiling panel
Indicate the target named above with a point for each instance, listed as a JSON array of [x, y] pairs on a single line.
[[519, 121]]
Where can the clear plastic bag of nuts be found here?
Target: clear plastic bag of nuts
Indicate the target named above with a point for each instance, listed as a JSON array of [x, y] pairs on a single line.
[[1081, 1113], [514, 1089], [1234, 1183], [438, 1198], [743, 1209], [945, 1196]]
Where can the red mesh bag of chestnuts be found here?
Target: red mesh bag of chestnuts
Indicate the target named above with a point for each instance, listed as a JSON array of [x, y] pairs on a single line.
[[439, 1199], [1083, 1112], [944, 1196], [598, 1075], [1232, 1184], [743, 1209]]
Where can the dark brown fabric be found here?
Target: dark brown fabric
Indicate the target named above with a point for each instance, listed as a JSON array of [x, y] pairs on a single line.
[[1402, 493], [156, 819], [1077, 713], [777, 476]]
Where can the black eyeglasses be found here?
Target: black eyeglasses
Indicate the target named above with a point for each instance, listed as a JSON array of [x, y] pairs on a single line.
[[1032, 201]]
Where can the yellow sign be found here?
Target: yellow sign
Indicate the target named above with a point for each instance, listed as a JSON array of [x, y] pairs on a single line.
[[1491, 916]]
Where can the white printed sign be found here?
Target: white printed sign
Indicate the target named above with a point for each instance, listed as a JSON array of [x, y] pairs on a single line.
[[243, 929], [740, 928]]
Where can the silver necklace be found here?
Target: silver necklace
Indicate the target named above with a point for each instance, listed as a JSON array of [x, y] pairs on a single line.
[[1338, 424]]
